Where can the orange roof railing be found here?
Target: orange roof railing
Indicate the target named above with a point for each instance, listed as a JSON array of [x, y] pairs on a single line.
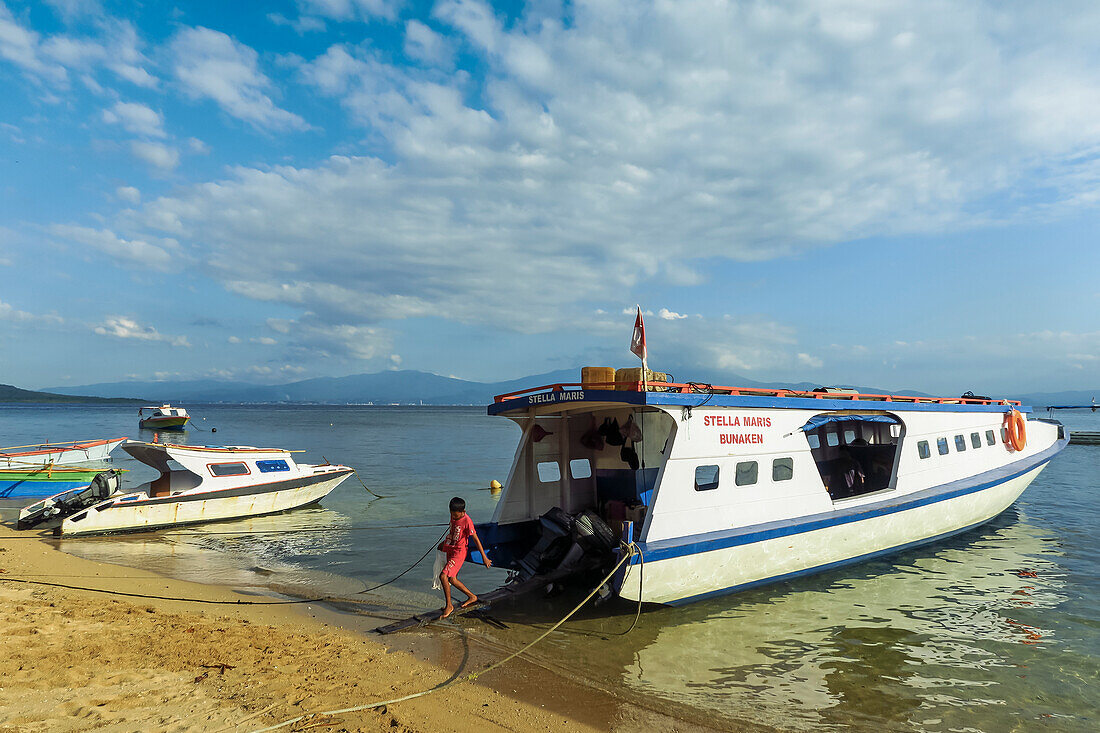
[[702, 388]]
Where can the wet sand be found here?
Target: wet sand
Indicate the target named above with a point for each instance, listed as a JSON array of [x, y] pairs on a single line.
[[79, 660]]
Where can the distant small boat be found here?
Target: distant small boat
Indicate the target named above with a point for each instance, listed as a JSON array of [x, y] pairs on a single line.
[[164, 417], [58, 454], [213, 483]]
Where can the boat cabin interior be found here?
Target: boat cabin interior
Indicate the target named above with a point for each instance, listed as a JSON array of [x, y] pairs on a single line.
[[856, 454], [603, 462]]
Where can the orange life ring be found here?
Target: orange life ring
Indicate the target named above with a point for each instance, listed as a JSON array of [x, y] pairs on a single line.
[[1015, 430]]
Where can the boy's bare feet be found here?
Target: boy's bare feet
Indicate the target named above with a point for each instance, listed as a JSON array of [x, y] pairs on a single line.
[[469, 602], [447, 611]]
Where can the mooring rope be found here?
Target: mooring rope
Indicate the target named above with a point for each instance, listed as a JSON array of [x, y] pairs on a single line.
[[473, 676]]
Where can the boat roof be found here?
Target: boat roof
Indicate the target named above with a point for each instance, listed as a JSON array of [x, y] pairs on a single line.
[[563, 396]]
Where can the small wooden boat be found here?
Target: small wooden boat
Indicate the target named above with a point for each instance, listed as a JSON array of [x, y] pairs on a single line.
[[211, 483], [58, 454], [37, 481], [164, 417]]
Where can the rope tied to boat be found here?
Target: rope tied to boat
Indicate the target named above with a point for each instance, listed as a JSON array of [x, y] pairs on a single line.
[[631, 550]]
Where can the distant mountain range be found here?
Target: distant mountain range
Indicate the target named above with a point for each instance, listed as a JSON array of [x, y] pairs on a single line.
[[413, 387], [14, 395]]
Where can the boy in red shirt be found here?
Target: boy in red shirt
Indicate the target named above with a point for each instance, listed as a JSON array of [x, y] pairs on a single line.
[[454, 544]]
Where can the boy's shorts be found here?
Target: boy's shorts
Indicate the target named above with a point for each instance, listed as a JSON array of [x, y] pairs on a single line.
[[454, 563]]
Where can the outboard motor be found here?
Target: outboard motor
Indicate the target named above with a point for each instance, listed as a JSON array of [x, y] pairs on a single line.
[[69, 502], [555, 531], [591, 536]]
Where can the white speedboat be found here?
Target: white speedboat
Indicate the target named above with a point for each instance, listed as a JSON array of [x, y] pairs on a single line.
[[164, 417], [724, 488], [205, 484]]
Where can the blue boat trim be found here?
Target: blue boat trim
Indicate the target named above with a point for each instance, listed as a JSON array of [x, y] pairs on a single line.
[[696, 399], [722, 539]]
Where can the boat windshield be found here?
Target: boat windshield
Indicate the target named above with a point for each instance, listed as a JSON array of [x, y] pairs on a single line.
[[855, 453]]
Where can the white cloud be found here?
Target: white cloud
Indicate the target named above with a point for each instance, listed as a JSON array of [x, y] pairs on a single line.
[[21, 46], [351, 9], [124, 327], [135, 118], [129, 194], [265, 340], [234, 339], [668, 315], [12, 314], [198, 147], [424, 44], [210, 64], [129, 251], [158, 155], [811, 361], [309, 339]]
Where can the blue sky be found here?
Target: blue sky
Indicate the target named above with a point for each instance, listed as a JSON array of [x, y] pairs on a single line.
[[888, 194]]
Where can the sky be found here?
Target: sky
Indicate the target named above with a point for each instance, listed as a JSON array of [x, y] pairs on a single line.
[[899, 195]]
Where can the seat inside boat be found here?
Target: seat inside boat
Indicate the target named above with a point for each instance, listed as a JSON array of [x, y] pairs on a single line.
[[855, 453]]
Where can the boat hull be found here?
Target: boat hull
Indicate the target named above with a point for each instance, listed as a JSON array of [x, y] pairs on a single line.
[[163, 423], [691, 569], [60, 455], [42, 482], [142, 513]]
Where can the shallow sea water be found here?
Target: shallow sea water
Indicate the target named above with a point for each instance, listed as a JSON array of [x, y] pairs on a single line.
[[994, 630]]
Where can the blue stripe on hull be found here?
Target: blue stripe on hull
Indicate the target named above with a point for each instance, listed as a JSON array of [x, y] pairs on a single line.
[[828, 566], [707, 542], [36, 489]]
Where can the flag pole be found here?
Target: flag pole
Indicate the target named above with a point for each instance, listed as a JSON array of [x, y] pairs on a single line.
[[645, 364]]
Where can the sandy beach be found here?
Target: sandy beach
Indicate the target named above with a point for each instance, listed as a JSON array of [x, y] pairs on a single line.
[[77, 660]]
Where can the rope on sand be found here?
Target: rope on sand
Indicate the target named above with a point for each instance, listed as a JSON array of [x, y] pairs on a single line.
[[473, 676]]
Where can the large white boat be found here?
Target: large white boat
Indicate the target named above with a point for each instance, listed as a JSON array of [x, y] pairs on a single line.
[[204, 484], [722, 488]]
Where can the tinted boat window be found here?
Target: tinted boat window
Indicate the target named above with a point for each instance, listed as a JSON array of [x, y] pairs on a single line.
[[706, 478], [849, 436], [580, 468], [746, 473], [272, 466], [814, 441], [941, 445], [832, 439], [989, 438], [228, 469], [960, 443], [549, 472], [975, 440], [782, 469], [922, 449]]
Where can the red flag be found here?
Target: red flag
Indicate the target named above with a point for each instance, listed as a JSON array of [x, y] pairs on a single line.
[[637, 343]]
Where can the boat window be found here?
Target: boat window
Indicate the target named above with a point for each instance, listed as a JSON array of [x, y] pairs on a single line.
[[815, 442], [832, 439], [941, 445], [922, 449], [849, 436], [782, 469], [228, 469], [975, 440], [960, 443], [580, 468], [989, 438], [272, 466], [746, 473], [706, 478], [1004, 435], [549, 472]]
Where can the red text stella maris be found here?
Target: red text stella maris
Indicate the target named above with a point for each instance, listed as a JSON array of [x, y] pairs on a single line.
[[730, 421]]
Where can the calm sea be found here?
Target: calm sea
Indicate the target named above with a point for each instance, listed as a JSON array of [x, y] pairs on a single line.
[[995, 630]]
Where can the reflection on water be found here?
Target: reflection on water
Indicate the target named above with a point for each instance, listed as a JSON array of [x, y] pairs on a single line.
[[904, 643], [995, 630]]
